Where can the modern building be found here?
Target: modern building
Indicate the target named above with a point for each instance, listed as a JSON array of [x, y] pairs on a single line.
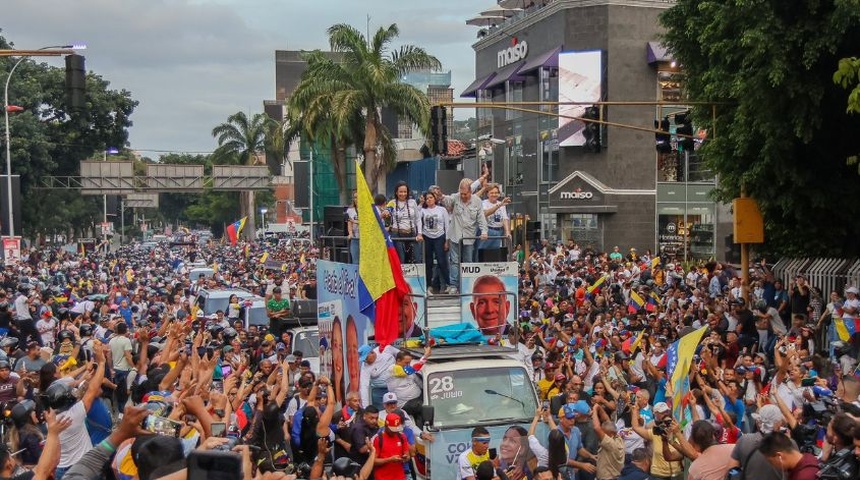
[[623, 193]]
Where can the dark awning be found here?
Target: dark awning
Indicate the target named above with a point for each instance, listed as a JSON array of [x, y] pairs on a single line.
[[472, 89], [658, 53], [505, 74], [546, 59]]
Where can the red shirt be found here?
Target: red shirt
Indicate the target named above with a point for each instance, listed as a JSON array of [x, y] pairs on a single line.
[[806, 469], [392, 445]]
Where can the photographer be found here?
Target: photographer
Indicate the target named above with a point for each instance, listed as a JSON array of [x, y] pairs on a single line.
[[838, 460], [669, 447]]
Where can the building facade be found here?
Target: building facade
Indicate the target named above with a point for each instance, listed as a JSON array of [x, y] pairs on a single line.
[[623, 193]]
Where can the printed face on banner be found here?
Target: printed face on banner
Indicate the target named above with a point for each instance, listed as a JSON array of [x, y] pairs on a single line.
[[491, 305]]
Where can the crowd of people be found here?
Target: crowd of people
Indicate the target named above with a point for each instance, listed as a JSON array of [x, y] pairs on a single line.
[[108, 369]]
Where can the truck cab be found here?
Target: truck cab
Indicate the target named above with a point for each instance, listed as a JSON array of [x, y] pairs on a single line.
[[465, 386], [254, 306]]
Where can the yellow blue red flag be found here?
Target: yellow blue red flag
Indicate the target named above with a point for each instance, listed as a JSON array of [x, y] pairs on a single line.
[[381, 285], [680, 356]]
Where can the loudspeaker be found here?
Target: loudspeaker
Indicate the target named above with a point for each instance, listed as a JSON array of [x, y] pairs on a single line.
[[493, 255], [533, 231], [334, 217]]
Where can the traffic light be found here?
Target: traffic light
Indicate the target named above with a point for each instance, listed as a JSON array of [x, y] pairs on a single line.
[[684, 126], [439, 130], [76, 83], [664, 141], [592, 129]]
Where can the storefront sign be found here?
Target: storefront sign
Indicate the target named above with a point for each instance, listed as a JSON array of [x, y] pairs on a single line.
[[576, 195], [512, 54]]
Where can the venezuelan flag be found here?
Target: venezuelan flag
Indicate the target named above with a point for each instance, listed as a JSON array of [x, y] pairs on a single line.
[[845, 328], [264, 257], [652, 302], [235, 229], [679, 358], [635, 303], [654, 262], [598, 283], [381, 286]]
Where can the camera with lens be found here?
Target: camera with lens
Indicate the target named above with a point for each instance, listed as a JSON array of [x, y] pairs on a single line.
[[662, 427], [842, 465]]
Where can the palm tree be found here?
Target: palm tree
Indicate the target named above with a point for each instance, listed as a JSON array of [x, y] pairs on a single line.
[[311, 119], [366, 79], [242, 142]]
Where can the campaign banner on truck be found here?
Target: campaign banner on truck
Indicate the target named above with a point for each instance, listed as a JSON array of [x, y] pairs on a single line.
[[348, 328], [492, 301], [412, 312]]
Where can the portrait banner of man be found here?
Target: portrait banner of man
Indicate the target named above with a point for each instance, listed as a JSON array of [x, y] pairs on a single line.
[[491, 305]]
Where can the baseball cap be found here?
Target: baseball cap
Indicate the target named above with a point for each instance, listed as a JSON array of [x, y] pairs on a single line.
[[581, 407], [661, 407], [767, 416], [389, 397], [559, 377], [852, 290], [393, 422], [269, 338], [363, 352], [290, 358]]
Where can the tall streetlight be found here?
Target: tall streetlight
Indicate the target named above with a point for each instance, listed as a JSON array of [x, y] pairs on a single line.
[[263, 212], [105, 153], [24, 54]]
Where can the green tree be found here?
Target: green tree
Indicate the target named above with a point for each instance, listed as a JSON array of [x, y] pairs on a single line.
[[312, 120], [780, 130], [47, 140], [242, 141], [365, 80]]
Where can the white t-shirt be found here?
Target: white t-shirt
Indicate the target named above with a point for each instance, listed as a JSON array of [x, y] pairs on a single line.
[[74, 441], [434, 221], [497, 218], [855, 303], [46, 330], [118, 346]]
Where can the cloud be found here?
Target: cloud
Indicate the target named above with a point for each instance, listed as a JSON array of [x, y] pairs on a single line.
[[192, 63]]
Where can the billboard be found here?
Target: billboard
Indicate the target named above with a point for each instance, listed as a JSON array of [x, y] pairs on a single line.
[[580, 79], [489, 309]]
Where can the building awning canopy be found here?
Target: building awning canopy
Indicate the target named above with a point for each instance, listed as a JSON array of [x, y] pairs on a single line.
[[507, 73], [546, 59], [478, 84], [658, 53]]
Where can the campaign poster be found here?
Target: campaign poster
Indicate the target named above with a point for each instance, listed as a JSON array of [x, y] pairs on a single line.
[[412, 313], [326, 313], [491, 305], [11, 250], [338, 291]]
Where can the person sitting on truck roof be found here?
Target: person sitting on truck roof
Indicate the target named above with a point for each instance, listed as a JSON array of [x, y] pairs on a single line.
[[402, 381], [375, 370]]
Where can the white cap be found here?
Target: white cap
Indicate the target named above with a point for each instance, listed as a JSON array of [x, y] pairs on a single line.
[[661, 407], [852, 290], [389, 397]]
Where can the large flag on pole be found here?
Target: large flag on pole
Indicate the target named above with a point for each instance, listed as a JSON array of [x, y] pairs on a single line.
[[235, 229], [381, 286], [680, 356]]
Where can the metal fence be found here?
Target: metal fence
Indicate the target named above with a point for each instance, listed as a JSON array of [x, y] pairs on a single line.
[[828, 274]]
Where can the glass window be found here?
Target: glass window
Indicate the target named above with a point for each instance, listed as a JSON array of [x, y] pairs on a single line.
[[686, 232], [308, 343], [584, 229], [467, 397]]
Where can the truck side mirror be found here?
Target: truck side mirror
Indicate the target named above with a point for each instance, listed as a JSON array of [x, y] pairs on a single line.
[[427, 413]]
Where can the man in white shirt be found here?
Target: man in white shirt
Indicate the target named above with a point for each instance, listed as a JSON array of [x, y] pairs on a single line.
[[375, 372], [120, 349], [75, 440]]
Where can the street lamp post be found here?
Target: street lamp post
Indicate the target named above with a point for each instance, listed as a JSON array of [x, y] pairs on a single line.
[[62, 50], [263, 212], [105, 153]]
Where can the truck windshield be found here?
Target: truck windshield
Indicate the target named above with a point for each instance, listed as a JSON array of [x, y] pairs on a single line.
[[486, 395], [308, 343]]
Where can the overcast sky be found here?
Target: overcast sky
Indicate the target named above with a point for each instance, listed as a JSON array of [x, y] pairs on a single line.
[[192, 63]]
